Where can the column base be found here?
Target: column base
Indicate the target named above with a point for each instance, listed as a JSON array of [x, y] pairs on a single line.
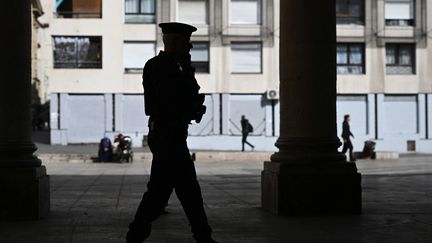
[[25, 193], [290, 189]]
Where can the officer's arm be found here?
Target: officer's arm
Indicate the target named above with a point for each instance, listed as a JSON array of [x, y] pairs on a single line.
[[149, 90]]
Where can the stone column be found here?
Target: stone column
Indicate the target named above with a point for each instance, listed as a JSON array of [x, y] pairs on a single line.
[[308, 175], [24, 185]]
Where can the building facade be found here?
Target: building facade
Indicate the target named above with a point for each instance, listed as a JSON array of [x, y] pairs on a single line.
[[384, 76], [93, 53]]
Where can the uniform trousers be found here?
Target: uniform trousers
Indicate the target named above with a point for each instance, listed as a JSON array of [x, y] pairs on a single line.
[[172, 169]]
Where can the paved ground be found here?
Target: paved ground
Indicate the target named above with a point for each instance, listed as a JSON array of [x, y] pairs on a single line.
[[95, 202]]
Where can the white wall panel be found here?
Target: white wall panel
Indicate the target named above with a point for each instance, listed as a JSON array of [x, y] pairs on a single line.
[[133, 116], [253, 107], [429, 116], [206, 126], [86, 118], [401, 114], [356, 106]]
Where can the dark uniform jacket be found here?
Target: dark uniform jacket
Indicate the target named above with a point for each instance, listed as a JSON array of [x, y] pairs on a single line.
[[346, 132], [170, 90]]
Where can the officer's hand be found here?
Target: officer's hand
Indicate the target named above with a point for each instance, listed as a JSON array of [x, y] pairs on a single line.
[[200, 113], [185, 60]]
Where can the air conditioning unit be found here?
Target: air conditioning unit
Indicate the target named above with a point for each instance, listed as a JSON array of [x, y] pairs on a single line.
[[272, 94]]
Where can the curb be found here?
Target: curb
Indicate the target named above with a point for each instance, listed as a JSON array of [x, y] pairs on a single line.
[[144, 156], [204, 156]]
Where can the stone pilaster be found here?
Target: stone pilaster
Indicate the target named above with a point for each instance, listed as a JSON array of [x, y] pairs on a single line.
[[24, 184], [308, 175]]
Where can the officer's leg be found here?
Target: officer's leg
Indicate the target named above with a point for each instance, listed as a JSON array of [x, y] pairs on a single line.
[[189, 193], [153, 202]]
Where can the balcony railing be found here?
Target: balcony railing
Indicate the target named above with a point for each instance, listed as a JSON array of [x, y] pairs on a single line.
[[78, 15], [349, 19], [77, 64], [400, 69], [147, 18], [399, 22]]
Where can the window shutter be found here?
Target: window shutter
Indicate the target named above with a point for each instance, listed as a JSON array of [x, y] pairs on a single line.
[[401, 9], [192, 11], [135, 55], [86, 6], [245, 11], [246, 58]]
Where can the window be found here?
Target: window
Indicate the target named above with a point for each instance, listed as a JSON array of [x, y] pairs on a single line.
[[78, 8], [193, 11], [136, 54], [245, 11], [350, 58], [140, 11], [399, 12], [350, 12], [200, 57], [77, 51], [400, 58], [246, 58]]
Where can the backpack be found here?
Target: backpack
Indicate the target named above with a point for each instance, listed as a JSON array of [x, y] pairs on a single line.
[[249, 127]]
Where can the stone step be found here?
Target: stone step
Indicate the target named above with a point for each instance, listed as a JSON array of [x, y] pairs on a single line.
[[383, 155]]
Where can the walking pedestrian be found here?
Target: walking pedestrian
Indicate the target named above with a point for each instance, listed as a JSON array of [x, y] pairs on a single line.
[[346, 136], [172, 101], [246, 129]]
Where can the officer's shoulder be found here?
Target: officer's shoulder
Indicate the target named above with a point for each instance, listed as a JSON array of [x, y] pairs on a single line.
[[157, 62], [152, 61]]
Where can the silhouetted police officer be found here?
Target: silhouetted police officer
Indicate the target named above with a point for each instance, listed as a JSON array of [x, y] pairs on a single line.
[[172, 101]]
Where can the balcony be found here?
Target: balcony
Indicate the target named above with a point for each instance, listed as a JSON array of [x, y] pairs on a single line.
[[77, 9]]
